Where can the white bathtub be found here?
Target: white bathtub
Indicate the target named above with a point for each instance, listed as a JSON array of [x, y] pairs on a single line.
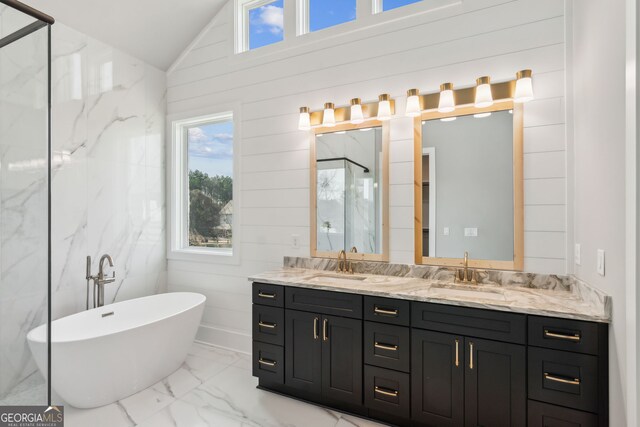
[[97, 360]]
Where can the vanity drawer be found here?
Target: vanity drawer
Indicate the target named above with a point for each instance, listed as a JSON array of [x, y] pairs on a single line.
[[268, 363], [387, 391], [265, 294], [324, 302], [564, 334], [387, 346], [564, 378], [545, 415], [268, 324], [472, 322], [387, 310]]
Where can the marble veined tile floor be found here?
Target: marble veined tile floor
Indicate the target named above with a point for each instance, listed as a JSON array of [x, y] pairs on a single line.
[[214, 387]]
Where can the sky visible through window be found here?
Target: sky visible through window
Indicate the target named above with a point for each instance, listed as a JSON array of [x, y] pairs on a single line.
[[327, 13], [211, 148], [392, 4], [266, 24]]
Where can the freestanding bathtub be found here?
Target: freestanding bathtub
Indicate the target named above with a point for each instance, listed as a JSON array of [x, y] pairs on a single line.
[[102, 355]]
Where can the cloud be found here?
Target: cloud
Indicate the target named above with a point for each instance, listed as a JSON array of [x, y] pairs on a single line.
[[215, 145], [272, 17]]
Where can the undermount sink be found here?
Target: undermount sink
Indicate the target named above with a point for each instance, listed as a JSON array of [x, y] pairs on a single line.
[[467, 291], [336, 278]]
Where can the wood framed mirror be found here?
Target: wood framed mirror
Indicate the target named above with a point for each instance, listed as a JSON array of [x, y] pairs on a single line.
[[468, 187], [349, 191]]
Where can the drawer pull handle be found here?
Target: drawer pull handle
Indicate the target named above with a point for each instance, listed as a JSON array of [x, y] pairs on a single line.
[[574, 337], [470, 355], [389, 347], [267, 325], [385, 311], [457, 353], [267, 362], [574, 381], [386, 391], [266, 295], [315, 328], [325, 334]]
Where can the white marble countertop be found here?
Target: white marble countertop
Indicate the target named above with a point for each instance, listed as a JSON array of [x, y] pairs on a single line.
[[580, 303]]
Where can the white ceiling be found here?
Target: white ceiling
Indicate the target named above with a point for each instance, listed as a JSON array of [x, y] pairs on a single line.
[[156, 31]]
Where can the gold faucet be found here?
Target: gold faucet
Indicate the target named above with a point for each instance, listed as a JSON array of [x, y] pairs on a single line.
[[353, 250], [342, 262], [463, 276]]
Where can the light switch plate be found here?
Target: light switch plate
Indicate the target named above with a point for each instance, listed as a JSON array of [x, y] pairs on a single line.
[[576, 254], [295, 241], [471, 232], [445, 231], [600, 262]]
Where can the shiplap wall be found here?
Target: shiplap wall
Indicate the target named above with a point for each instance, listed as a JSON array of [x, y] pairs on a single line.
[[391, 52]]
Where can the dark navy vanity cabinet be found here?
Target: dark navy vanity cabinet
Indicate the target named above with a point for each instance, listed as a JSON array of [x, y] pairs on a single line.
[[411, 363]]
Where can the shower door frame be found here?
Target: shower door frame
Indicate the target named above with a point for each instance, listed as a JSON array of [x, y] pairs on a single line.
[[42, 20]]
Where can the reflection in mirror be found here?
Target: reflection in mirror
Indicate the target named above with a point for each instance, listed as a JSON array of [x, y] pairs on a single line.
[[349, 191], [468, 187]]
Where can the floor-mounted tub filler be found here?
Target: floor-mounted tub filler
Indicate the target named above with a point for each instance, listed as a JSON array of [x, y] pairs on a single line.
[[102, 355]]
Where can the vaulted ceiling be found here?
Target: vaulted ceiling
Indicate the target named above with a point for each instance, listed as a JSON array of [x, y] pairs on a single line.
[[156, 31]]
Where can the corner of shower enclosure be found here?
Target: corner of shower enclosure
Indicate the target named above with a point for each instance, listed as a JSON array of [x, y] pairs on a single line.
[[25, 204]]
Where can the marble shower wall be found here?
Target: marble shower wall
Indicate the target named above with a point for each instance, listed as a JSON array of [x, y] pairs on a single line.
[[108, 178], [108, 190]]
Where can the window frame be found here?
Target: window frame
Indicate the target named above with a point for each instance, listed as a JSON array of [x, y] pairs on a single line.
[[377, 6], [177, 182], [241, 11], [303, 18]]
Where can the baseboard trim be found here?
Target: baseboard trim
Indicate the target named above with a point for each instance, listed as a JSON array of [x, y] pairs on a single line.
[[224, 338]]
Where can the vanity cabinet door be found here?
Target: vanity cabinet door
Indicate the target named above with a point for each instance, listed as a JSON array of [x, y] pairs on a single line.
[[495, 384], [437, 378], [303, 366], [342, 363]]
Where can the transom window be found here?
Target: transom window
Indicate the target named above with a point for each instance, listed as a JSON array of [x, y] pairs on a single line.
[[384, 5], [259, 22], [327, 13]]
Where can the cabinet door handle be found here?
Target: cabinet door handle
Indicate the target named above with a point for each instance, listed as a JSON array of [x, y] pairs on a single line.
[[470, 355], [572, 381], [560, 336], [325, 334], [266, 295], [267, 325], [267, 362], [457, 353], [315, 328], [382, 346], [385, 311], [386, 391]]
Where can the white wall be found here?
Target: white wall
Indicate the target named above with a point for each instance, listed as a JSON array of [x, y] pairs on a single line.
[[598, 63], [391, 52]]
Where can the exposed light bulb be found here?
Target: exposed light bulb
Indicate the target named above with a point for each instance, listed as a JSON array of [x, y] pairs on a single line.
[[304, 123], [524, 87], [329, 115], [484, 98], [413, 103], [447, 103], [356, 111], [384, 107]]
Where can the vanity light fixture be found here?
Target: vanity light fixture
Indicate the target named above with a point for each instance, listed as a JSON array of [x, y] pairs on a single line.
[[329, 115], [484, 98], [356, 111], [413, 103], [384, 107], [304, 123], [481, 115], [448, 119], [524, 87], [446, 104]]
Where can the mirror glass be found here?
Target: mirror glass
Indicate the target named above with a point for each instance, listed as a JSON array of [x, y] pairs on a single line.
[[468, 187], [349, 191]]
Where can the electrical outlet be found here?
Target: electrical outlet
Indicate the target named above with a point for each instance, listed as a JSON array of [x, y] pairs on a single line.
[[295, 241], [576, 254], [471, 232], [600, 262], [445, 231]]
